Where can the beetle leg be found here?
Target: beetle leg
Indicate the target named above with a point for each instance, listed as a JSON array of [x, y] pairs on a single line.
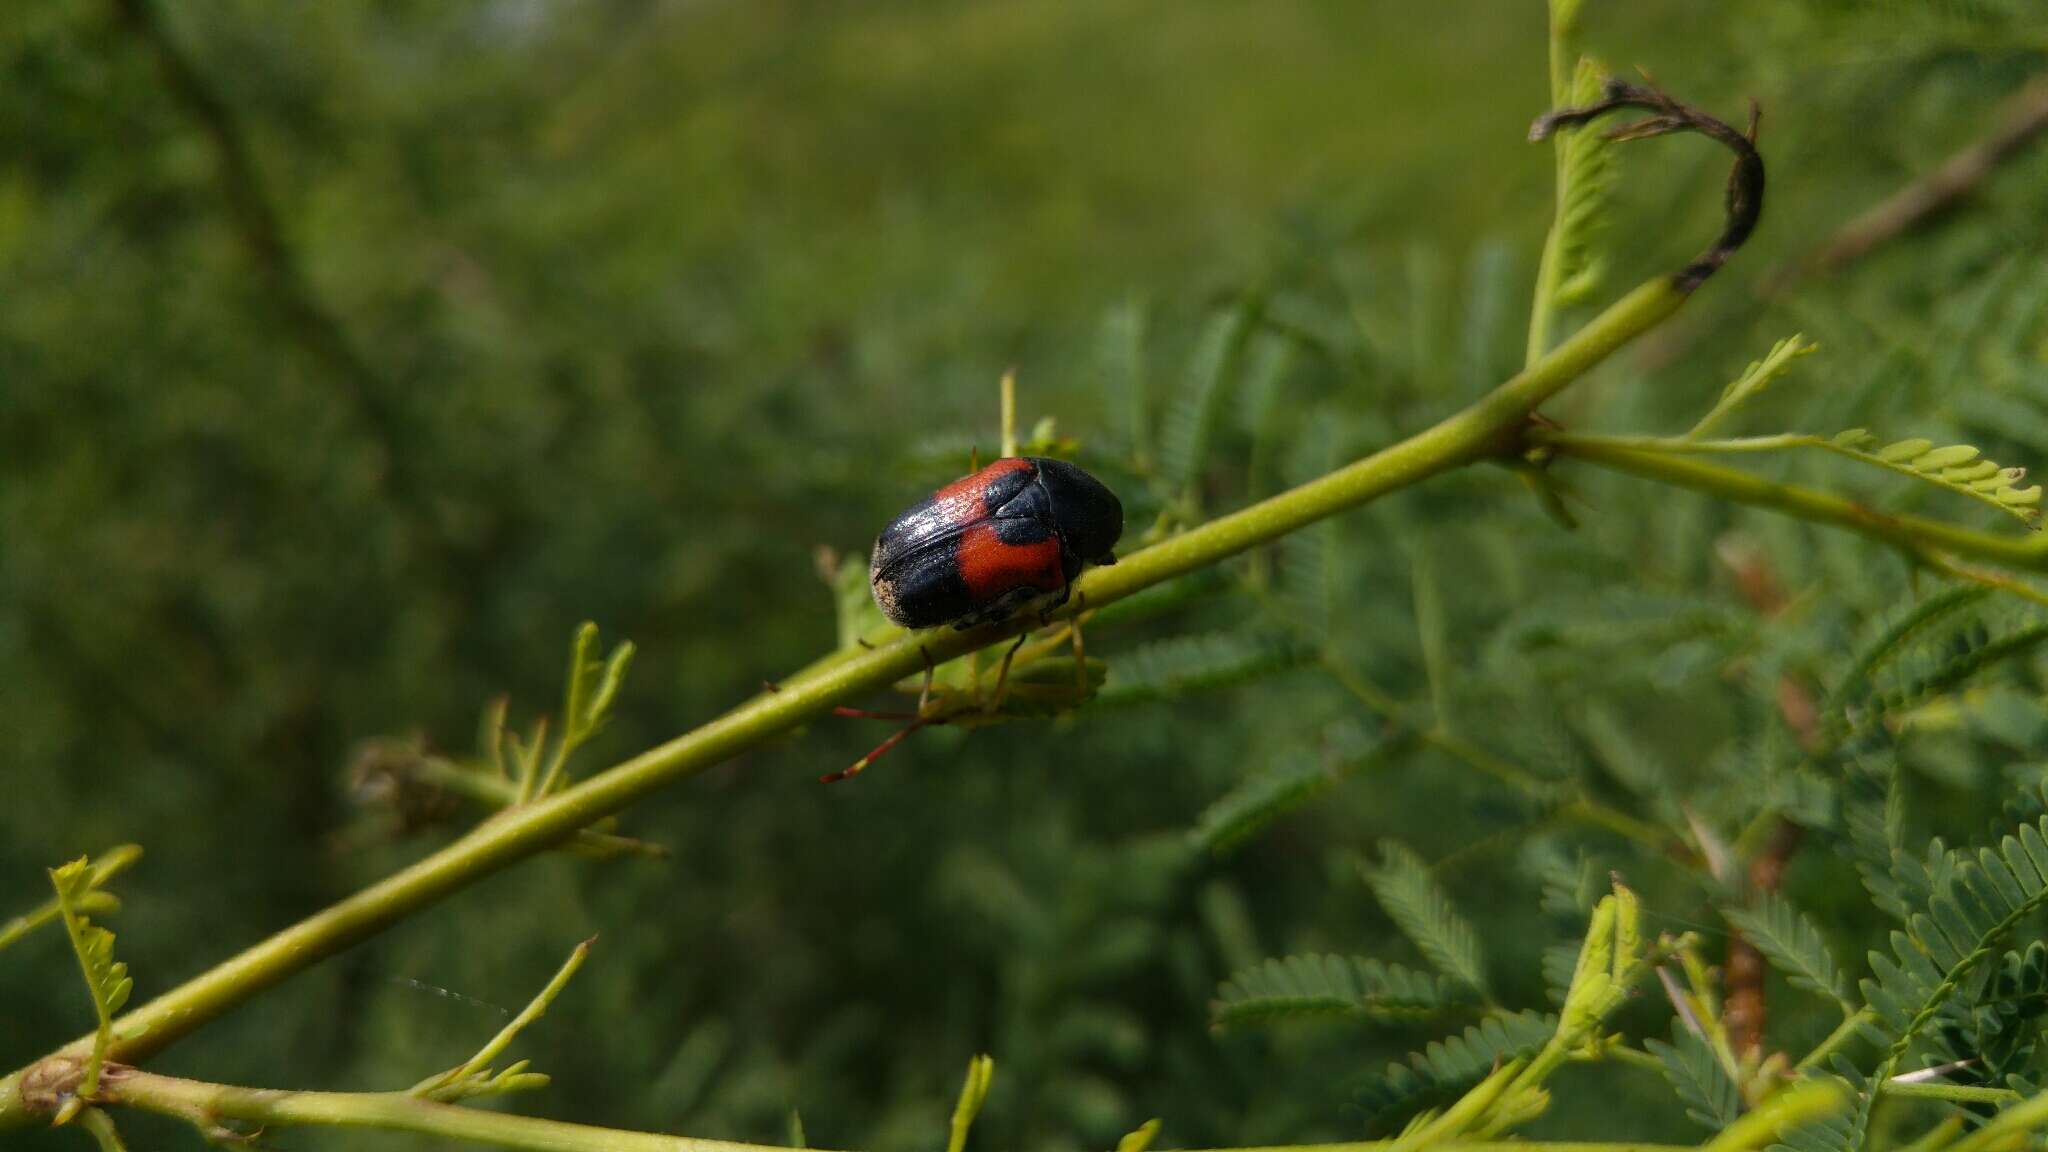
[[1058, 601], [1080, 656], [861, 764], [924, 694], [867, 714], [995, 700]]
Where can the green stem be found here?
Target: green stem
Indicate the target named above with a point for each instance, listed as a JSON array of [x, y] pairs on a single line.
[[1915, 534], [1550, 268], [1954, 1093], [1623, 1054], [14, 929], [1482, 760], [102, 1128], [1491, 426], [207, 1105], [105, 867], [1844, 1032]]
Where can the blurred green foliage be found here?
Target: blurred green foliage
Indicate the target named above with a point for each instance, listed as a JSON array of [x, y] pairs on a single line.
[[519, 313]]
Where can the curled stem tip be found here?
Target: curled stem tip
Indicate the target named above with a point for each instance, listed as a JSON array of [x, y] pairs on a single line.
[[1745, 197]]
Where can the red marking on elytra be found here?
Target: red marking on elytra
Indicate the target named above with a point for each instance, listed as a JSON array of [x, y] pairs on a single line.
[[990, 567], [972, 485]]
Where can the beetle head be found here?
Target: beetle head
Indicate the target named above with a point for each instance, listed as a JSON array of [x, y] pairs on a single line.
[[1089, 515]]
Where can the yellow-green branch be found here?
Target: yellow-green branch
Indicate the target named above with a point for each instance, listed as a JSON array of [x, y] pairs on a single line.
[[1914, 534], [211, 1105]]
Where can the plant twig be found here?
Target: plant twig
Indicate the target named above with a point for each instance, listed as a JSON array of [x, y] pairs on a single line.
[[207, 1105], [256, 218], [2022, 118], [1844, 1032], [105, 867], [1915, 535], [1953, 1093]]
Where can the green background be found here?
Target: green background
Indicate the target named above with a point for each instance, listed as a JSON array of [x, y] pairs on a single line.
[[640, 304]]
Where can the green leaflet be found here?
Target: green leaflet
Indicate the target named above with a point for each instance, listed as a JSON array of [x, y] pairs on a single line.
[[106, 979], [1200, 662], [1411, 896], [1448, 1066], [1960, 468], [1296, 780], [1760, 375], [1949, 947], [1213, 370], [1703, 1085], [1793, 944], [1842, 1131], [1332, 986], [1893, 637]]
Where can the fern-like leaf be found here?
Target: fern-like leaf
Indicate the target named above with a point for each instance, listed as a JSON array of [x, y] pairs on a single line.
[[1960, 468], [1190, 419], [853, 606], [1961, 657], [1120, 364], [1332, 986], [1293, 782], [592, 688], [95, 900], [1697, 1075], [1895, 635], [1793, 944], [1760, 375], [1950, 947], [1586, 174], [1169, 668], [1425, 915], [475, 1077], [1447, 1067], [106, 979], [1842, 1131]]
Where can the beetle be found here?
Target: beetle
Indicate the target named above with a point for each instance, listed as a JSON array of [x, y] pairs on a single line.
[[985, 545]]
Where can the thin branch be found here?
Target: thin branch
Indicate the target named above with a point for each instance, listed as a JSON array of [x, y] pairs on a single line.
[[1847, 1030], [1916, 535], [207, 1105], [1952, 1093], [249, 205], [105, 867], [2021, 119]]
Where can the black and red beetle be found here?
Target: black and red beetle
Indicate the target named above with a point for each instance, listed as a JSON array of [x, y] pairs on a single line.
[[984, 546]]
